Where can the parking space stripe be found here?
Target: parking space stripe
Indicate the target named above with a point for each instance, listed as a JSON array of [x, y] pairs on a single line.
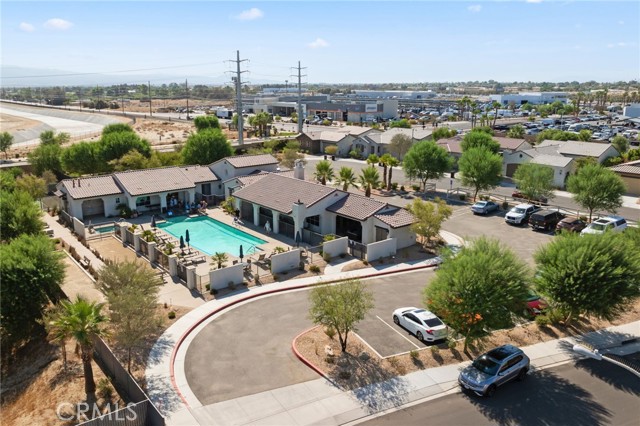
[[368, 345], [400, 334]]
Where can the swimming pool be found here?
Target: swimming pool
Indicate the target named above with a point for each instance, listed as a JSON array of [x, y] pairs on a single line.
[[105, 229], [211, 236]]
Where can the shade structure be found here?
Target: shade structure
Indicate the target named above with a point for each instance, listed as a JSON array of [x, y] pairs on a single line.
[[186, 237], [153, 221], [298, 238], [181, 243], [241, 255]]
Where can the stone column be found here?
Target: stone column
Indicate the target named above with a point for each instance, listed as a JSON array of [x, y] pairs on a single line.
[[136, 240], [276, 222], [256, 214], [173, 265], [191, 277], [152, 251], [123, 231]]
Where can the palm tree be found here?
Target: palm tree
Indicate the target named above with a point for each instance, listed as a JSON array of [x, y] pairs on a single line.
[[385, 164], [324, 172], [495, 105], [393, 162], [83, 321], [516, 132], [58, 330], [369, 179], [219, 258], [373, 159], [346, 177]]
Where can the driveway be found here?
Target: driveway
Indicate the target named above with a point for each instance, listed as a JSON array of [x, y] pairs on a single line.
[[248, 349]]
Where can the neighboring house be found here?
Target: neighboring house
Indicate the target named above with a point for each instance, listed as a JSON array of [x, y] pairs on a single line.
[[578, 149], [630, 174], [150, 190], [508, 147], [292, 205], [562, 167], [416, 135], [342, 137]]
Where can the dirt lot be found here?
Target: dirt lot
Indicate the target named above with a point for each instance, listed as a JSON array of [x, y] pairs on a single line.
[[359, 367], [12, 123]]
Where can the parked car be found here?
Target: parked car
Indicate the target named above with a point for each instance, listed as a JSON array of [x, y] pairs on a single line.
[[493, 369], [423, 324], [571, 224], [608, 223], [545, 220], [541, 199], [520, 214], [535, 304], [484, 207]]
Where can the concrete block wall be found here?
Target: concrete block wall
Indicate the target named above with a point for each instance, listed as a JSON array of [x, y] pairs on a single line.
[[381, 249], [336, 247], [220, 278], [285, 261]]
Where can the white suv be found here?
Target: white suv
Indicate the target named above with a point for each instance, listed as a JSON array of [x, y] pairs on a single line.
[[520, 213], [609, 223]]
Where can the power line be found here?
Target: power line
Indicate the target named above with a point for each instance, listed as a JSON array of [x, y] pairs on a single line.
[[238, 82], [299, 68]]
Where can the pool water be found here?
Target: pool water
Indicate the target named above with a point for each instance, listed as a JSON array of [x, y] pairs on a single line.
[[105, 229], [211, 236]]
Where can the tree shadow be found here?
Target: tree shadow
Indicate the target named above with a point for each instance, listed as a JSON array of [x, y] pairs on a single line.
[[160, 350], [611, 374], [606, 338], [375, 387], [556, 400], [162, 394]]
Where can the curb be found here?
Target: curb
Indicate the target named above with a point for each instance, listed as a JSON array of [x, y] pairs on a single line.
[[254, 296], [304, 360]]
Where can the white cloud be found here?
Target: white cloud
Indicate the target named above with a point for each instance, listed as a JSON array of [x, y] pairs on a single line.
[[533, 1], [250, 14], [57, 24], [475, 8], [319, 42], [25, 26]]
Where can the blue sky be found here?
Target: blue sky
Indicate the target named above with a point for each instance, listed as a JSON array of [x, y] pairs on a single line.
[[338, 42]]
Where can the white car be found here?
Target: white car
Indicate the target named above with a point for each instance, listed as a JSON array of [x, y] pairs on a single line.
[[520, 214], [425, 325], [609, 223]]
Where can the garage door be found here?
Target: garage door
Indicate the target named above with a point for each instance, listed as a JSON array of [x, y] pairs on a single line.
[[511, 169], [93, 207]]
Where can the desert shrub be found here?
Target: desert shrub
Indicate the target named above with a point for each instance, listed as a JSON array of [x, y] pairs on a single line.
[[326, 257], [414, 354], [331, 150], [354, 154], [207, 287], [542, 321], [328, 237], [315, 269], [171, 315], [415, 187], [330, 359], [434, 349], [344, 375], [394, 186], [330, 332], [451, 344], [104, 389]]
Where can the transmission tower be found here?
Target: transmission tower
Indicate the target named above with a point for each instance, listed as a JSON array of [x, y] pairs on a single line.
[[300, 75], [238, 82]]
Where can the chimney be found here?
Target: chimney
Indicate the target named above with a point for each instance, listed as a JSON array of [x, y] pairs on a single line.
[[298, 170]]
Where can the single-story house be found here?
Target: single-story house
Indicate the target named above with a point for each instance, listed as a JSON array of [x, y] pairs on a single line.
[[294, 206], [342, 137], [578, 149], [562, 166], [630, 174], [508, 146]]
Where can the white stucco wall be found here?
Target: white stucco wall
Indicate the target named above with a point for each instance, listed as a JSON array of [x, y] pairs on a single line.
[[285, 261], [381, 249], [220, 278], [336, 247], [404, 237]]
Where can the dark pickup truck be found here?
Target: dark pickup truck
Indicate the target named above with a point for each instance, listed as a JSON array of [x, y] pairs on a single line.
[[545, 220]]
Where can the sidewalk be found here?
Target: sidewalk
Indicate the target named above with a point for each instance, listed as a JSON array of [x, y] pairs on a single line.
[[318, 402]]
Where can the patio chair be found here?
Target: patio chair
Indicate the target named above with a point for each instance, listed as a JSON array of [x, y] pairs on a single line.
[[261, 257], [235, 262]]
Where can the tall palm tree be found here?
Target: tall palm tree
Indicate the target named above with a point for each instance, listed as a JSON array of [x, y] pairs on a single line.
[[495, 105], [83, 321], [393, 162], [219, 258], [324, 172], [385, 164], [58, 330], [373, 159], [346, 177], [369, 179]]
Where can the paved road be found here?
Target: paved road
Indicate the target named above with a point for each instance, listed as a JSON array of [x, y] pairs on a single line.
[[220, 367], [585, 393]]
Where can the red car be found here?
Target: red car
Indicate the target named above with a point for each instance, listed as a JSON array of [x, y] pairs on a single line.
[[520, 195], [571, 224], [535, 304]]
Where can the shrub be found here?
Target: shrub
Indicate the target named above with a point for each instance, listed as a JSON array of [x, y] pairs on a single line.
[[434, 349], [279, 249], [505, 205], [415, 187], [463, 197], [354, 154], [451, 344], [213, 291], [394, 186], [330, 332], [171, 315], [207, 287], [344, 375], [328, 237], [275, 277], [104, 389], [330, 359], [315, 269], [414, 354], [331, 150], [326, 257], [401, 188], [365, 262]]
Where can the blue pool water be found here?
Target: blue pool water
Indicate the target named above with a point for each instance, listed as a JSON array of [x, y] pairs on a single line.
[[211, 236], [105, 229]]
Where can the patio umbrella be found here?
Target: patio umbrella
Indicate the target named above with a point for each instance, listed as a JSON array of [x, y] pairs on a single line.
[[182, 243], [187, 238], [298, 238], [153, 221], [241, 254]]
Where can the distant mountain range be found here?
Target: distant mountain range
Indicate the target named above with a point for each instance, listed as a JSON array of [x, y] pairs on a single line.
[[15, 76]]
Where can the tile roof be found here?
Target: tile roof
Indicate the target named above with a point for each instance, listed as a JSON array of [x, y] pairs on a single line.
[[278, 192], [630, 168], [452, 145], [356, 206], [417, 133], [198, 174], [249, 179], [509, 143], [148, 181], [91, 187], [327, 135], [396, 218], [242, 161], [584, 149], [552, 160]]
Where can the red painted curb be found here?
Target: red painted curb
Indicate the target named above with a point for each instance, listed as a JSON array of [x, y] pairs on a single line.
[[303, 359], [253, 296]]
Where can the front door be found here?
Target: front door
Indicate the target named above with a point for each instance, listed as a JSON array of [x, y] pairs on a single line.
[[381, 234]]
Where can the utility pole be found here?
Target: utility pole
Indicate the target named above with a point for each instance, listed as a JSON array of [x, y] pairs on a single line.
[[238, 83], [186, 86], [300, 75], [150, 110]]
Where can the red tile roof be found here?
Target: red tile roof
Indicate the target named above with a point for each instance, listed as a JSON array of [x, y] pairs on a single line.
[[396, 218], [356, 206], [91, 187], [242, 161]]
